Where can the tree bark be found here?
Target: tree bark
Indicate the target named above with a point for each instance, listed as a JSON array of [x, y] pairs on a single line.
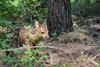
[[59, 16]]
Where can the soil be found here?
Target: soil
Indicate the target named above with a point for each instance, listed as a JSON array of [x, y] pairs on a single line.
[[81, 49]]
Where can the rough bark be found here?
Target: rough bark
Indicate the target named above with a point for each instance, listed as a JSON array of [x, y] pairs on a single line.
[[59, 16]]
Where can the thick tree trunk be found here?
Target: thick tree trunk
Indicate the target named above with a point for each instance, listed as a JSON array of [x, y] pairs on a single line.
[[59, 16]]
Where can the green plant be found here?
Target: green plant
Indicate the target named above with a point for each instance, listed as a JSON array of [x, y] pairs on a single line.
[[9, 60], [6, 23], [82, 55], [6, 40], [97, 42], [24, 9], [67, 37], [5, 33], [26, 59], [32, 58], [29, 58], [98, 65]]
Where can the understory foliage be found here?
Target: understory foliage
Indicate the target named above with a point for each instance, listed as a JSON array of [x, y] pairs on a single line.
[[86, 8], [14, 9]]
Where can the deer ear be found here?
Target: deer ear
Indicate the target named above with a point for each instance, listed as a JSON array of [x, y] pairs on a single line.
[[37, 24], [44, 24]]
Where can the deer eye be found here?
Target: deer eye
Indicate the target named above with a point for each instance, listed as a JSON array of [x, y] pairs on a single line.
[[42, 32]]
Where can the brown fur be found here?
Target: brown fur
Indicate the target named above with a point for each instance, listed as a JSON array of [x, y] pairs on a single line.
[[33, 34]]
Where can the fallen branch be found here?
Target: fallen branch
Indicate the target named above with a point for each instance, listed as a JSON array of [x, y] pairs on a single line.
[[51, 47], [96, 56], [23, 48]]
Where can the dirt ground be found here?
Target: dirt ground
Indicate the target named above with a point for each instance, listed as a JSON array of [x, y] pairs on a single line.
[[81, 50]]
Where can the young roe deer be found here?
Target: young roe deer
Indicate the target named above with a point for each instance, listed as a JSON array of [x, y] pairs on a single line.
[[34, 34]]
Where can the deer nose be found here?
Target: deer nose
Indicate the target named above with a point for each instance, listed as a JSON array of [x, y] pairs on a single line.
[[46, 36]]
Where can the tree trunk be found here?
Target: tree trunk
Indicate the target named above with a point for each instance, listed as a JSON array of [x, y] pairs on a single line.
[[59, 16]]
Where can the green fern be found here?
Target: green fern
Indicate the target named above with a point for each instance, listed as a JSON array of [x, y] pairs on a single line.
[[6, 23]]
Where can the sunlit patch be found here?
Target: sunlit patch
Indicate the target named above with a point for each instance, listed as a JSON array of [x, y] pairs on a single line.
[[0, 28]]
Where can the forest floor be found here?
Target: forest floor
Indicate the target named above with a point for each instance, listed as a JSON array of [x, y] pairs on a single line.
[[80, 49]]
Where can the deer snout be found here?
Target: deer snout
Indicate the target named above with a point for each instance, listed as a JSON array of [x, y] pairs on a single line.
[[45, 36]]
